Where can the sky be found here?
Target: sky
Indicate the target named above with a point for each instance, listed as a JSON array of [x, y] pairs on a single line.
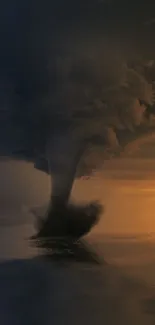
[[42, 42], [127, 190]]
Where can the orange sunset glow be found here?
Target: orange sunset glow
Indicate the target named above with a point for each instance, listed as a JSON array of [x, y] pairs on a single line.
[[126, 187]]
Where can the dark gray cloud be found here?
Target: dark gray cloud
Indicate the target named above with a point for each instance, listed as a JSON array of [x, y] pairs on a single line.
[[56, 59]]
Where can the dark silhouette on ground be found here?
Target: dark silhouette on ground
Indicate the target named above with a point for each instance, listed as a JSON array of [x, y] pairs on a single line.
[[60, 234], [71, 221]]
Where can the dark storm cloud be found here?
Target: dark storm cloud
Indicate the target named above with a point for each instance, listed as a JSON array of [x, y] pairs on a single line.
[[55, 58]]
